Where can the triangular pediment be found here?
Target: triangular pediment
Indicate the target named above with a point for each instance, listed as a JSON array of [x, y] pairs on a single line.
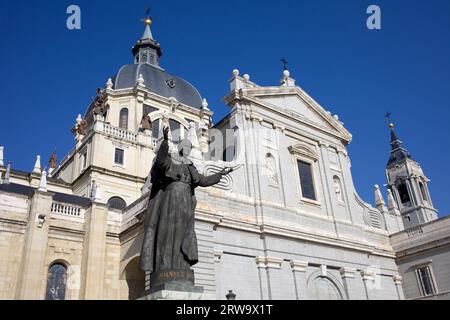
[[295, 102]]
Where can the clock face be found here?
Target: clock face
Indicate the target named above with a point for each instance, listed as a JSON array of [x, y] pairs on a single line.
[[171, 83]]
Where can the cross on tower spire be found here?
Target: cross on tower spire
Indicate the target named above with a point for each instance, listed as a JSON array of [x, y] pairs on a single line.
[[285, 63]]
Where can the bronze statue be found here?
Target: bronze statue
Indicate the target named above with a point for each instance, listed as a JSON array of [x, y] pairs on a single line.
[[170, 248], [52, 162], [146, 122], [80, 128], [100, 107]]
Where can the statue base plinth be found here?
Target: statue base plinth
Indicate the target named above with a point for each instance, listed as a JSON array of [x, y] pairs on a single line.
[[178, 295], [175, 285]]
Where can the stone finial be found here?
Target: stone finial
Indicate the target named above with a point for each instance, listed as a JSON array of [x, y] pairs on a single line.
[[236, 72], [37, 165], [379, 200], [7, 174], [109, 84], [205, 104], [287, 81], [336, 117], [246, 77], [43, 182], [392, 205], [141, 81], [2, 160]]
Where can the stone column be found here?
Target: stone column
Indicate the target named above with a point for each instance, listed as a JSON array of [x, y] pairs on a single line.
[[33, 269], [93, 262], [348, 278], [263, 278], [299, 269], [398, 281]]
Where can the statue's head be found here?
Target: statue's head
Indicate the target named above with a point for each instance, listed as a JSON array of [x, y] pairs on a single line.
[[185, 148]]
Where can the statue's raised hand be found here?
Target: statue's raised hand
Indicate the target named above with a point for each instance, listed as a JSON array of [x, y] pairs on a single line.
[[226, 171], [166, 133]]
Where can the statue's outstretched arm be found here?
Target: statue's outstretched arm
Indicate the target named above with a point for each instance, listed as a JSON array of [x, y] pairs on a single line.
[[204, 181], [162, 158]]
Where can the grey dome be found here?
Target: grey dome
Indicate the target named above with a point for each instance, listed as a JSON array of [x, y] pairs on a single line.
[[159, 82]]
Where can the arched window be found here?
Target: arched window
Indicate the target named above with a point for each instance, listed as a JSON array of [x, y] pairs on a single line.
[[123, 119], [175, 129], [56, 282], [404, 194], [117, 203], [323, 288], [423, 191]]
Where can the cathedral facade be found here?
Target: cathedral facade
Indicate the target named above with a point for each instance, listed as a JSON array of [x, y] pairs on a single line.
[[286, 224]]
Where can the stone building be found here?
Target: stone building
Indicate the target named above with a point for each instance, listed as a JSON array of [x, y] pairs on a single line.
[[287, 224]]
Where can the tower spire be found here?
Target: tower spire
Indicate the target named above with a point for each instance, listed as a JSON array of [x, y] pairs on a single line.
[[398, 152], [147, 49], [148, 32]]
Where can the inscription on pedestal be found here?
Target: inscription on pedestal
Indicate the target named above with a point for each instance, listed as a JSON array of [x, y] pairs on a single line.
[[174, 279]]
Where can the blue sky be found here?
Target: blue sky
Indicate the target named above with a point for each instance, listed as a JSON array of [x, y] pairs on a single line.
[[49, 74]]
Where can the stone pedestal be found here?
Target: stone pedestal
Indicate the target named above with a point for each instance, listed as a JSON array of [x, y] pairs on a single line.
[[175, 285], [178, 295], [177, 290]]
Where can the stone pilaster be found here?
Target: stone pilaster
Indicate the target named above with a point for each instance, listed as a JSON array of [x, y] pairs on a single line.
[[33, 273], [93, 263], [299, 269], [398, 281], [263, 277], [369, 281], [348, 278]]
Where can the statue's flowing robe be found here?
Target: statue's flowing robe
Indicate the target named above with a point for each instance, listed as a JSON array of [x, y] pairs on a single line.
[[170, 242]]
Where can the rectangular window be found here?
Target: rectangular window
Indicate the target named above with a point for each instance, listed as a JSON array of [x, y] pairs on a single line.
[[118, 157], [426, 281], [306, 180]]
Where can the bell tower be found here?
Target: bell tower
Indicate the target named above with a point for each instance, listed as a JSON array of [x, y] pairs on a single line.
[[409, 185]]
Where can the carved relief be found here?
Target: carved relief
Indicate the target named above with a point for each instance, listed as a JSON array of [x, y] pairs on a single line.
[[271, 170], [338, 189]]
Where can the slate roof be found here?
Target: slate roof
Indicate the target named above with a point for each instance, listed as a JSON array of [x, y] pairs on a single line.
[[59, 197], [159, 82]]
